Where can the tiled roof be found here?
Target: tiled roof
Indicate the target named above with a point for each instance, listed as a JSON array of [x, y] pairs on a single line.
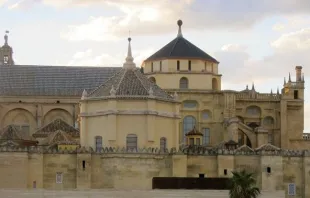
[[194, 131], [181, 48], [11, 136], [20, 80], [59, 137], [56, 125], [130, 82]]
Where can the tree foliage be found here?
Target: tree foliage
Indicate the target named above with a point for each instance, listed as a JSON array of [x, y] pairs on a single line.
[[243, 185]]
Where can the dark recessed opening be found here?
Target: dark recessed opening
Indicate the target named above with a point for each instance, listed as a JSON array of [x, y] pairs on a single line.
[[178, 65], [268, 170], [20, 101], [295, 94], [57, 101], [189, 65], [83, 163], [225, 171], [201, 175]]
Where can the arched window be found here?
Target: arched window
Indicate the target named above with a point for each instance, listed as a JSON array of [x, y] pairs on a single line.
[[152, 79], [268, 121], [214, 84], [98, 143], [131, 141], [253, 111], [178, 65], [183, 83], [163, 143], [188, 124]]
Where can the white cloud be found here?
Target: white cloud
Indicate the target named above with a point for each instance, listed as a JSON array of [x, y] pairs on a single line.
[[152, 17], [292, 22], [299, 40], [89, 58], [2, 2]]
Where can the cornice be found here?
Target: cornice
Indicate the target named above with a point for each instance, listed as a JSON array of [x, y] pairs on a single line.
[[130, 112]]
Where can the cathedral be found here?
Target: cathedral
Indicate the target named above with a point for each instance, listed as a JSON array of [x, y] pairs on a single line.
[[91, 118]]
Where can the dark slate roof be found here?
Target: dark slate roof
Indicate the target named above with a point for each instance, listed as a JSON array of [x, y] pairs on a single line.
[[21, 80], [129, 82], [181, 48]]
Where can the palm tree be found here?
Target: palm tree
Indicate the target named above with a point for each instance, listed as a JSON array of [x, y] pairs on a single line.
[[243, 185]]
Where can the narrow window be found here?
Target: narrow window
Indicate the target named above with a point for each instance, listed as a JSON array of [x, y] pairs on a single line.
[[178, 65], [152, 67], [225, 171], [6, 59], [206, 136], [268, 169], [160, 66], [295, 94], [191, 141], [163, 144], [183, 83], [131, 141], [98, 143], [83, 164], [189, 65]]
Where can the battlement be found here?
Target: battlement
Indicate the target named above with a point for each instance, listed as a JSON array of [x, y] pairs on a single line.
[[264, 150]]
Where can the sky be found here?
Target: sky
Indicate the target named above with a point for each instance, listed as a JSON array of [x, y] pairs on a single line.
[[257, 42]]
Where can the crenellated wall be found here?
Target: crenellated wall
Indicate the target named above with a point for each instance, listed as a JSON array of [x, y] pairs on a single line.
[[118, 169]]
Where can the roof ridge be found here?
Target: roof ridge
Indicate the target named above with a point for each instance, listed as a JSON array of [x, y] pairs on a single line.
[[140, 80], [121, 79], [104, 83]]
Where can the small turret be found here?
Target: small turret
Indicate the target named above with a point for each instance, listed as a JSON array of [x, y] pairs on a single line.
[[6, 52]]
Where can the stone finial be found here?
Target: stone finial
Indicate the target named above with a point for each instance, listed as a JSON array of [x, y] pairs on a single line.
[[253, 87], [151, 92], [284, 83], [129, 64], [6, 38], [289, 77], [180, 23], [175, 96], [247, 87], [271, 92], [112, 91], [278, 92], [84, 95]]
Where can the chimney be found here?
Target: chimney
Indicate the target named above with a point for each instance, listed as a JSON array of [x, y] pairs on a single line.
[[298, 73]]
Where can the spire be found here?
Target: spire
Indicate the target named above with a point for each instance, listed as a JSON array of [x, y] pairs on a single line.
[[289, 77], [284, 82], [278, 92], [271, 92], [6, 38], [180, 23], [129, 64], [253, 88]]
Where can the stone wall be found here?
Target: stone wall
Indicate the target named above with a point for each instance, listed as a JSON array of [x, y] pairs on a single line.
[[114, 168]]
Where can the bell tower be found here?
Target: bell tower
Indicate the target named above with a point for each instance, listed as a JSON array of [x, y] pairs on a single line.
[[6, 52]]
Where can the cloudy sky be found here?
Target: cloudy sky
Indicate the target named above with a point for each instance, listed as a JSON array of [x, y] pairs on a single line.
[[255, 41]]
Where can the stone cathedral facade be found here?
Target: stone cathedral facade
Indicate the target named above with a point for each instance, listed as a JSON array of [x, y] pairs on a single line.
[[118, 127]]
